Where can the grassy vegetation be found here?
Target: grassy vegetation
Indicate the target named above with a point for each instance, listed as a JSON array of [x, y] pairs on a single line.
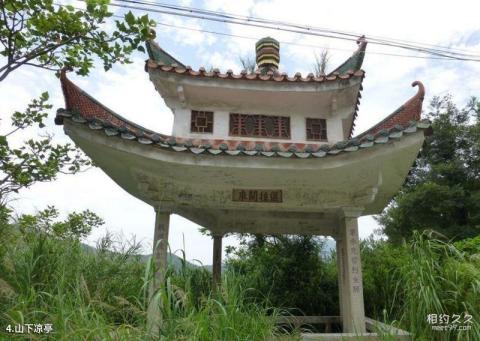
[[102, 295], [405, 284]]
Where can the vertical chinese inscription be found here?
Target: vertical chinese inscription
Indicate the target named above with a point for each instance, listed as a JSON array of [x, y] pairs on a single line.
[[257, 195], [354, 260]]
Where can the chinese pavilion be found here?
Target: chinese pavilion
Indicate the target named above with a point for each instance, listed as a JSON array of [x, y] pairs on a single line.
[[260, 152]]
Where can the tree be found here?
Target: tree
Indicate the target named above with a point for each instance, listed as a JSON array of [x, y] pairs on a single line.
[[36, 160], [442, 192], [46, 222], [287, 270], [248, 64], [321, 63], [42, 34]]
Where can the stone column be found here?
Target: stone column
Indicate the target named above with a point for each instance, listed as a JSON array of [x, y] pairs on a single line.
[[160, 263], [341, 274], [217, 261], [350, 273]]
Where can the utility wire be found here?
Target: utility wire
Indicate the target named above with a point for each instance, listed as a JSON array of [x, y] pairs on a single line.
[[439, 56], [249, 21], [295, 44], [281, 42], [288, 24]]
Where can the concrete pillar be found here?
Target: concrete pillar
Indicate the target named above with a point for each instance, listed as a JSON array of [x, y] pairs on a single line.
[[160, 263], [350, 273], [217, 261], [341, 274]]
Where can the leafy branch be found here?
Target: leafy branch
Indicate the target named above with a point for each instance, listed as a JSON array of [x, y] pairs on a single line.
[[40, 34], [36, 160]]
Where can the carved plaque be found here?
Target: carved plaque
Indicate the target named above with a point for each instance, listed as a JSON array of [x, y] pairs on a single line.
[[257, 195]]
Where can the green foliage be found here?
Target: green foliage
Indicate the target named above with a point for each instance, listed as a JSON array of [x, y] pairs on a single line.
[[48, 276], [442, 192], [77, 225], [290, 272], [227, 315], [381, 262], [471, 247], [438, 279], [36, 160], [42, 34]]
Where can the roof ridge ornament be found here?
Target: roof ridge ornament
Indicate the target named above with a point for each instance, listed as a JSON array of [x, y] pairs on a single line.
[[354, 63], [267, 52], [411, 110], [362, 40], [159, 55], [421, 89]]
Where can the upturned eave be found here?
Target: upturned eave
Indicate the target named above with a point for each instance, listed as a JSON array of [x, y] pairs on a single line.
[[81, 108]]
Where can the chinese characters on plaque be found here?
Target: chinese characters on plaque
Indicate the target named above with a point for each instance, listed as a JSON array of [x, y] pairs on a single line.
[[257, 195]]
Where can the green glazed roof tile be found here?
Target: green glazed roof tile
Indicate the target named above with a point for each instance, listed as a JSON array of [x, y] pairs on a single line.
[[179, 148], [269, 154], [214, 151], [159, 55], [320, 153], [197, 150], [111, 131]]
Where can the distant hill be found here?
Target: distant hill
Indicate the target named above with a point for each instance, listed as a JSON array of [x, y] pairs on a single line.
[[172, 259], [328, 246]]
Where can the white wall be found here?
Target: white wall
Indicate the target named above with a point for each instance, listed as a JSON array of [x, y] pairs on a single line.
[[221, 121]]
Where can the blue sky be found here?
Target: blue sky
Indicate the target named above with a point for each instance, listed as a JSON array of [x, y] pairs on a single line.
[[127, 89]]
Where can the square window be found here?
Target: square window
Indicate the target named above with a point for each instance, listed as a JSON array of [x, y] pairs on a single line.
[[201, 122], [316, 129]]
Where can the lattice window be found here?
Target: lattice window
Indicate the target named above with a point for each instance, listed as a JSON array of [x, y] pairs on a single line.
[[260, 126], [316, 129], [201, 122]]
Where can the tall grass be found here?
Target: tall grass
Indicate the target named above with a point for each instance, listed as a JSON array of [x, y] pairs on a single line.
[[225, 315], [100, 295], [438, 279]]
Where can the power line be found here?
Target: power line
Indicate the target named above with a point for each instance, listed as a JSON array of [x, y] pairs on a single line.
[[254, 22], [306, 27], [293, 43], [439, 57]]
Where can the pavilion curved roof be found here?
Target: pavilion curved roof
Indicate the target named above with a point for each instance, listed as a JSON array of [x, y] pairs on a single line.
[[160, 60], [81, 108]]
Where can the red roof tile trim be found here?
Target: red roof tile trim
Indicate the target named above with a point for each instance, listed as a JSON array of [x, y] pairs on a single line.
[[410, 111], [76, 100], [256, 76], [80, 104]]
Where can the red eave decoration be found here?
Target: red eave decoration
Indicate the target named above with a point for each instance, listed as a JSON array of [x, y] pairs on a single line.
[[244, 75], [410, 111], [84, 109]]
